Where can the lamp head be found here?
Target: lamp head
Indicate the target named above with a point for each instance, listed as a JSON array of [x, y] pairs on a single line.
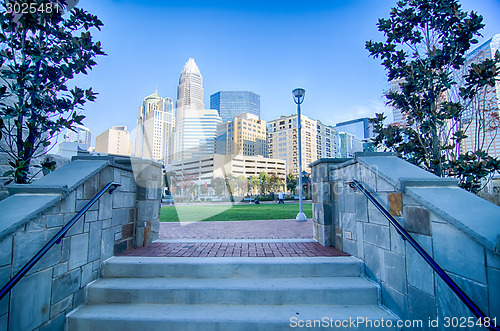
[[298, 95]]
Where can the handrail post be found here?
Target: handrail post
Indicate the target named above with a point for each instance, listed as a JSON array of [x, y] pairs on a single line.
[[430, 261]]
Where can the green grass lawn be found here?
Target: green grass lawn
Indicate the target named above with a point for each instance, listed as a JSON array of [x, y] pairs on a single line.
[[194, 213]]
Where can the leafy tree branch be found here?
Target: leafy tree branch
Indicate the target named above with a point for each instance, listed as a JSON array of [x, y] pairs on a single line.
[[40, 52]]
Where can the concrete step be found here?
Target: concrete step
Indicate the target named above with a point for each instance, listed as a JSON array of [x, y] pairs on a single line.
[[224, 267], [151, 317], [246, 291], [183, 294]]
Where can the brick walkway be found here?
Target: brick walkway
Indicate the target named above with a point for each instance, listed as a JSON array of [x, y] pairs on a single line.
[[276, 229], [275, 238], [238, 249]]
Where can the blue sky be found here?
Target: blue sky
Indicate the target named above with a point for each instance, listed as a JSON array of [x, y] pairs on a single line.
[[267, 47]]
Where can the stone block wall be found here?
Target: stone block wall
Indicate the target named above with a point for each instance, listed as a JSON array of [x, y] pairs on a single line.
[[34, 213], [459, 230]]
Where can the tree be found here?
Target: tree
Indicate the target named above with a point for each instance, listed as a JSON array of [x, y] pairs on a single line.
[[41, 51], [425, 47], [264, 182], [187, 182], [291, 182], [275, 182], [230, 182], [203, 189], [218, 184], [242, 185], [253, 184]]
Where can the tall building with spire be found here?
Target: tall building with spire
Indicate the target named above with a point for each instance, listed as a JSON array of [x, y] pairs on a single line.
[[195, 126], [190, 89], [155, 124]]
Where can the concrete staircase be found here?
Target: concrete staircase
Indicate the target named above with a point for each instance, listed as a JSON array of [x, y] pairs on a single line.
[[184, 294]]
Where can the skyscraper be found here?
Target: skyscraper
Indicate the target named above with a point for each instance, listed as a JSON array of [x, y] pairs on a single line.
[[233, 103], [326, 141], [361, 128], [245, 135], [198, 133], [195, 126], [283, 141], [155, 124], [318, 141], [190, 89], [347, 145]]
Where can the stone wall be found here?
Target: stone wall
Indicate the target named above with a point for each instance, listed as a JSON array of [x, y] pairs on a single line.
[[34, 213], [458, 229]]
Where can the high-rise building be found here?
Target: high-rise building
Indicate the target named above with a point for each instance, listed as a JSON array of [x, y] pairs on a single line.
[[480, 120], [326, 141], [155, 124], [245, 135], [199, 128], [114, 141], [233, 103], [347, 145], [190, 89], [82, 135], [399, 118], [318, 140], [195, 126], [361, 128]]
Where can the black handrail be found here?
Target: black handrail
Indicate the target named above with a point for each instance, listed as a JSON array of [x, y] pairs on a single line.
[[110, 187], [430, 261]]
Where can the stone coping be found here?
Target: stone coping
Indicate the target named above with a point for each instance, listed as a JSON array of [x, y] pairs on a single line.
[[405, 183], [119, 161], [64, 180], [330, 160], [392, 168], [464, 210], [356, 155], [20, 208]]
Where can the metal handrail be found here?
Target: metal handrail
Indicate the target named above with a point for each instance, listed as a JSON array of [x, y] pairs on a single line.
[[110, 187], [430, 261]]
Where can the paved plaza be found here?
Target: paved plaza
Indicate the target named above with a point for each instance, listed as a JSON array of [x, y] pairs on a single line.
[[272, 238], [271, 229]]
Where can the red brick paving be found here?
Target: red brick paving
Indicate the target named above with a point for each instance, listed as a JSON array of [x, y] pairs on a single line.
[[208, 234], [236, 249], [272, 229]]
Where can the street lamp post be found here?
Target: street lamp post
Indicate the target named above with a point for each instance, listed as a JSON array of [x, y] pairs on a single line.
[[298, 98], [170, 186], [250, 185]]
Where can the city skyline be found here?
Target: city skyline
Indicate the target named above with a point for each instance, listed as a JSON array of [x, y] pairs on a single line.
[[268, 49]]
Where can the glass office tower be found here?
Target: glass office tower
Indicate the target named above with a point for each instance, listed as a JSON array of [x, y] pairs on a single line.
[[230, 104]]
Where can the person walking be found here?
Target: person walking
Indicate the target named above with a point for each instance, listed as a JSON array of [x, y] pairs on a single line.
[[280, 198]]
